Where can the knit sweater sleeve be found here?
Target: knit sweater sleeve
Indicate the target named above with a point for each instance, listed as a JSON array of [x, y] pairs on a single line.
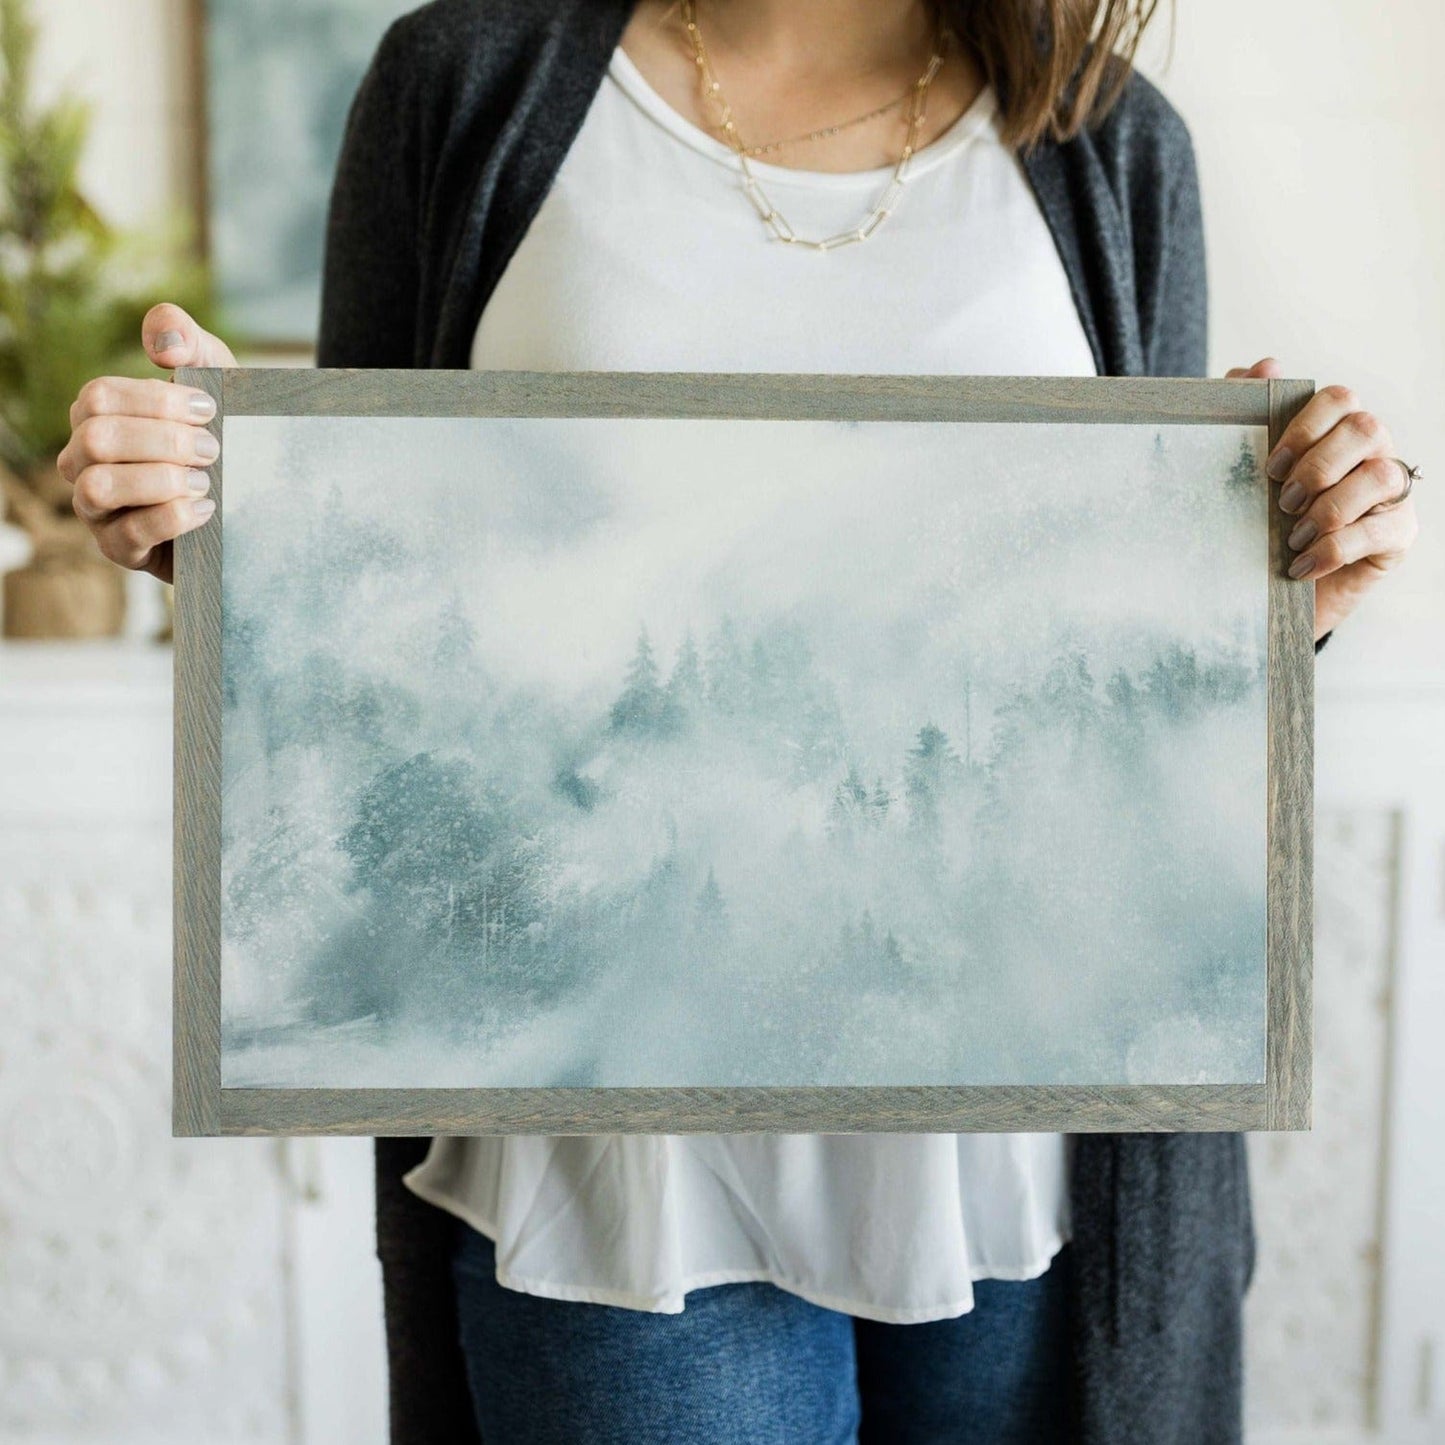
[[371, 278], [1174, 284]]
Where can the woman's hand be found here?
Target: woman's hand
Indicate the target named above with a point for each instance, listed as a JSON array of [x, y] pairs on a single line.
[[1340, 488], [138, 450]]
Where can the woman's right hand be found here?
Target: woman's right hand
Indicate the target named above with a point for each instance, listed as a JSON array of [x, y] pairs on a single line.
[[138, 450]]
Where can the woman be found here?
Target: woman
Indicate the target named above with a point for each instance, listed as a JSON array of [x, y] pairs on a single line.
[[603, 184]]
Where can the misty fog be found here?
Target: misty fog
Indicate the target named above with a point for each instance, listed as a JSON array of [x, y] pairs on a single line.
[[620, 752]]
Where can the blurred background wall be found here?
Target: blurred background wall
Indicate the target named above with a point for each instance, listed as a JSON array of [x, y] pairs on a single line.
[[215, 1291]]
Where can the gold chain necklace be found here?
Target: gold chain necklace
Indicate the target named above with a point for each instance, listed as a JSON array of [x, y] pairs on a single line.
[[823, 132], [772, 218]]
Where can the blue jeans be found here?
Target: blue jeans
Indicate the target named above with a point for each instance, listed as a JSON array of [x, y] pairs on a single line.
[[750, 1364]]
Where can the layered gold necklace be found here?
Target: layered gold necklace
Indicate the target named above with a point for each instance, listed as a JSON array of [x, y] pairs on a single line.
[[824, 132], [915, 99]]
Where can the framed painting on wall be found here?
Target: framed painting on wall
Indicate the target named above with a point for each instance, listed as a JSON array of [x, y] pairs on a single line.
[[278, 79], [662, 753]]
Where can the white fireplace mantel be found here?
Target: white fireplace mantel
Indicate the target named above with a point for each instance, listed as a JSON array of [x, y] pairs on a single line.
[[154, 1290]]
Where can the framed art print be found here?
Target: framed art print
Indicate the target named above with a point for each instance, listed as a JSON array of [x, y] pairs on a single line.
[[595, 753], [278, 77]]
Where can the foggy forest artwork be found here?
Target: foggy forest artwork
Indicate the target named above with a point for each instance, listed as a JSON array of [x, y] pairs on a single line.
[[620, 752]]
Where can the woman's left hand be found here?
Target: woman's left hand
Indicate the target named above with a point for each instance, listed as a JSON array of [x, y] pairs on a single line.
[[1337, 464]]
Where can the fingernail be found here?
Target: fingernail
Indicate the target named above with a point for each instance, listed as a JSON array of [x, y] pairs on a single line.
[[207, 447], [1303, 534], [201, 405], [168, 340], [203, 508], [1279, 464], [198, 481], [1291, 496], [1302, 566]]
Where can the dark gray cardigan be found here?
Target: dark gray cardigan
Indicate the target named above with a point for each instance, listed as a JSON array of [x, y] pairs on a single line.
[[453, 141]]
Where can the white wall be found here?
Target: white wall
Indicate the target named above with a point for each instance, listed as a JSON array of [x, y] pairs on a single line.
[[1320, 130]]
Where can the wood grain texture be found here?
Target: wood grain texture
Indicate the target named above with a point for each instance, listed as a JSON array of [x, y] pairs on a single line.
[[1077, 1108], [297, 392], [196, 1033], [1290, 1041], [202, 1106]]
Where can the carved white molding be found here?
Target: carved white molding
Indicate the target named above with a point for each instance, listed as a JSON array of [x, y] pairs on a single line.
[[1381, 749], [1312, 1314], [143, 1287]]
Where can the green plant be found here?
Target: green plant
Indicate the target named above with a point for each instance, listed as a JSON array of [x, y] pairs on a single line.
[[73, 290]]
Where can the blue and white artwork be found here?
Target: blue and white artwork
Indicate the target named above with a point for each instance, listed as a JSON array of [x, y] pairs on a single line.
[[280, 76], [675, 752]]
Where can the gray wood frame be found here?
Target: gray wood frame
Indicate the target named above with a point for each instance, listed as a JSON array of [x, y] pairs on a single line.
[[203, 1106]]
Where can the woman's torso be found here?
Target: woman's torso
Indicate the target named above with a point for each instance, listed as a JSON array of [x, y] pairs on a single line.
[[646, 256]]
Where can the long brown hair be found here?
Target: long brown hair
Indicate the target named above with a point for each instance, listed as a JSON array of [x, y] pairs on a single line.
[[1055, 65]]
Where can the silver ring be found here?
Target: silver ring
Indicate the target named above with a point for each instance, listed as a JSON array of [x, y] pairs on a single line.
[[1412, 475]]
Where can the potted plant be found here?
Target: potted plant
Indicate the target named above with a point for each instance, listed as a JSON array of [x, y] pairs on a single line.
[[73, 292]]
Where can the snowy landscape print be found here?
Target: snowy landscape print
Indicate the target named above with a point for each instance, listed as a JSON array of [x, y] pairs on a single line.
[[565, 752]]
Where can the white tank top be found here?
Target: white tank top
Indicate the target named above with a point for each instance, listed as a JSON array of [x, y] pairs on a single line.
[[647, 256]]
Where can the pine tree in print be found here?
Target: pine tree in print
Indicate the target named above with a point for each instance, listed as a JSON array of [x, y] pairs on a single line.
[[931, 771], [879, 802], [710, 916], [856, 806], [726, 671], [686, 688], [866, 955], [1069, 695], [867, 935], [1173, 681], [892, 958], [642, 707], [850, 803], [1125, 733], [765, 680], [456, 637], [1243, 478]]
